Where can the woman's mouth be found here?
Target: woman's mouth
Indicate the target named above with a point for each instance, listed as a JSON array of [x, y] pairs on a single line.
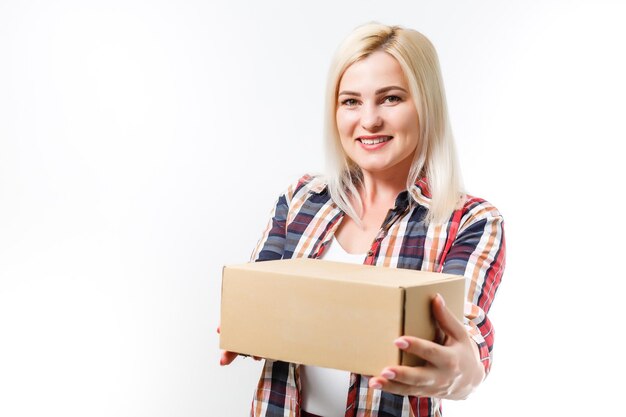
[[373, 143]]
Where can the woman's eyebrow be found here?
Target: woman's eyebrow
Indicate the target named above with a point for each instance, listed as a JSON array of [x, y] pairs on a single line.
[[379, 91]]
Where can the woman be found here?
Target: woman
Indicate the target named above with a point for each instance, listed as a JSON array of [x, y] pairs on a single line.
[[392, 197]]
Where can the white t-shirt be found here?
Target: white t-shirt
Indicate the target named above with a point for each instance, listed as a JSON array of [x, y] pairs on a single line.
[[324, 390]]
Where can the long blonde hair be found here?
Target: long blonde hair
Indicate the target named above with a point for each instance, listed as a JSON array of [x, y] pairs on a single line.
[[435, 158]]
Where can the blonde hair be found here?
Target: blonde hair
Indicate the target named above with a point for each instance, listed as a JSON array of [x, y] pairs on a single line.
[[435, 158]]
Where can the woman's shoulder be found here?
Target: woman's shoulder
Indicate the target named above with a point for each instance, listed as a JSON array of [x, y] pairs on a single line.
[[306, 185], [477, 209]]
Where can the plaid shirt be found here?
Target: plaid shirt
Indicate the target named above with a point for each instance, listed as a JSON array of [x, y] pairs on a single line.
[[303, 223]]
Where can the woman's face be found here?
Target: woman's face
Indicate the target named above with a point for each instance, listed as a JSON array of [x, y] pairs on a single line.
[[376, 116]]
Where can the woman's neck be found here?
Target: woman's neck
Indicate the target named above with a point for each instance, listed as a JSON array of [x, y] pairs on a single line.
[[380, 189]]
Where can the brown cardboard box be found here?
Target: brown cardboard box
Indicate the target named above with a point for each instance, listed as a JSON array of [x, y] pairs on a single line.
[[331, 314]]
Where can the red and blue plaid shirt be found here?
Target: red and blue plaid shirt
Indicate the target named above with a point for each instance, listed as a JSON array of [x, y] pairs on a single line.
[[471, 243]]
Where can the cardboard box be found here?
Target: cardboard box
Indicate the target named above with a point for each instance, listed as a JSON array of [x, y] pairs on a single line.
[[331, 314]]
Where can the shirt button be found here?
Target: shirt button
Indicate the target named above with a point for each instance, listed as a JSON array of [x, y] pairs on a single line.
[[370, 253]]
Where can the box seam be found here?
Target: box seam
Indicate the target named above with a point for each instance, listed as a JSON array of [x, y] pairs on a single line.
[[402, 322]]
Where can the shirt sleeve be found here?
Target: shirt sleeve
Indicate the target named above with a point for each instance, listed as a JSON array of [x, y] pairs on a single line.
[[277, 391], [478, 253], [271, 246], [272, 243]]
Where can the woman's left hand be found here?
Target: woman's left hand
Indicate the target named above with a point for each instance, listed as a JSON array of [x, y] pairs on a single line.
[[453, 369]]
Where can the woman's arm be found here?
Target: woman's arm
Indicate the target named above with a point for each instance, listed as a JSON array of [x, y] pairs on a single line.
[[479, 253], [456, 367]]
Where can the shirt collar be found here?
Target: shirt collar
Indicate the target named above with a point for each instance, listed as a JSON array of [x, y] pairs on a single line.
[[419, 192], [317, 185]]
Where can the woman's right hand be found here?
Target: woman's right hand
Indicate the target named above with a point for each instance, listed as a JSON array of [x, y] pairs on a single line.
[[228, 357]]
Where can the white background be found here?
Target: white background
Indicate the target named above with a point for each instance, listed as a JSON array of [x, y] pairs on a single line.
[[142, 144]]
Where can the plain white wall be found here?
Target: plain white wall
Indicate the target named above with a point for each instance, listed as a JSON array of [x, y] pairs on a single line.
[[142, 144]]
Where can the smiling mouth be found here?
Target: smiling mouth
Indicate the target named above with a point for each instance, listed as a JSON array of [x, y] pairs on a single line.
[[375, 141]]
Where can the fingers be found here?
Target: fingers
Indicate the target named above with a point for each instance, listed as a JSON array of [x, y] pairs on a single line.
[[431, 352], [227, 357], [446, 363], [446, 320], [399, 388], [394, 387], [404, 379]]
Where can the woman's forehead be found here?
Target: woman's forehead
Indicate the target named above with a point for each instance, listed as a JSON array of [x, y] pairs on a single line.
[[374, 71]]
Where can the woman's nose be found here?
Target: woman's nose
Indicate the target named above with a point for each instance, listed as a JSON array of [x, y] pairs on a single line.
[[370, 117]]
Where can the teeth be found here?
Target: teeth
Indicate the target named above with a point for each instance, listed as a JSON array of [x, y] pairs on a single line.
[[375, 141]]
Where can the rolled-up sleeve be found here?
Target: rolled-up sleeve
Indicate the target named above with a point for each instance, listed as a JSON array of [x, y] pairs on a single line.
[[271, 245], [478, 253]]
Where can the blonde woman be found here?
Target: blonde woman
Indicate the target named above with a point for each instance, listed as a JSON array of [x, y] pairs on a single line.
[[392, 197]]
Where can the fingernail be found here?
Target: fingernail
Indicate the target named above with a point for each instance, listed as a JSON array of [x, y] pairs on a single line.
[[375, 385], [389, 374], [401, 343], [443, 302]]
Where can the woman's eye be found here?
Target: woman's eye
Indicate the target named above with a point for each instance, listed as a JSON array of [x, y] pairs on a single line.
[[349, 102], [392, 99]]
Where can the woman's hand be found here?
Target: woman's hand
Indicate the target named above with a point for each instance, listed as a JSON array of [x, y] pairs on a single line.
[[453, 369], [228, 357]]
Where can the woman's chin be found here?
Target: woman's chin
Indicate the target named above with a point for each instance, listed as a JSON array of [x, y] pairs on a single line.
[[382, 168]]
